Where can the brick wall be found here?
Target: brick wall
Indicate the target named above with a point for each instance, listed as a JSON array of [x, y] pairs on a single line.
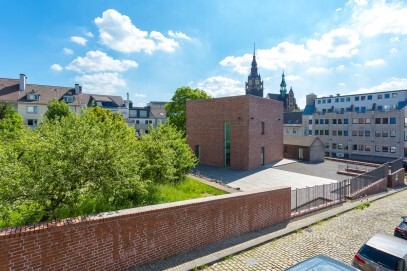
[[205, 127], [396, 179], [127, 238], [376, 187]]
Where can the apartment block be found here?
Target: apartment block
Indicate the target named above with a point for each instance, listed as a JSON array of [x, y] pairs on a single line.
[[370, 126], [141, 118]]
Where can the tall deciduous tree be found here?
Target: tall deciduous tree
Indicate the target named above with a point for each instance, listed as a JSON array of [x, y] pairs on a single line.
[[176, 108], [11, 123], [57, 110]]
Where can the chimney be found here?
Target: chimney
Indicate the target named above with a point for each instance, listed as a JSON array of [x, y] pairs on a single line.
[[77, 89], [23, 82]]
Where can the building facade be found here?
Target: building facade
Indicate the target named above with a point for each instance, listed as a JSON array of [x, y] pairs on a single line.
[[31, 100], [241, 132], [306, 148], [293, 124], [141, 118], [371, 126]]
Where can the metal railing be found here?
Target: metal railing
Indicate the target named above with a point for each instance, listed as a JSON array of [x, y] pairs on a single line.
[[396, 164], [364, 180], [308, 198]]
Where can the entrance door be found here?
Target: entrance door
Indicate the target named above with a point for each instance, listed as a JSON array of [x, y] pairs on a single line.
[[301, 153], [262, 155], [226, 144], [198, 152]]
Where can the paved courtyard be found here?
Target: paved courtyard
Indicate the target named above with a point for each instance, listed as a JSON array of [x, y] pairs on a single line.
[[285, 173], [339, 237]]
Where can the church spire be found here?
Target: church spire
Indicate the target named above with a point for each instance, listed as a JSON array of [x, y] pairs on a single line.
[[254, 85], [283, 86]]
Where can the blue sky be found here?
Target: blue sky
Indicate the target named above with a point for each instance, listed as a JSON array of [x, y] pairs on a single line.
[[150, 48]]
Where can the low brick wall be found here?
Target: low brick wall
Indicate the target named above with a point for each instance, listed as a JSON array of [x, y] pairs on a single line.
[[376, 187], [396, 179], [127, 238]]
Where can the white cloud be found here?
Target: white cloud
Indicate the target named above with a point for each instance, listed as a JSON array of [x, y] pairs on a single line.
[[338, 43], [103, 83], [117, 32], [356, 74], [56, 67], [394, 39], [342, 84], [393, 51], [67, 51], [292, 77], [361, 2], [79, 40], [382, 18], [375, 62], [340, 68], [140, 95], [89, 34], [338, 9], [317, 70], [178, 35], [97, 61], [393, 83], [219, 86]]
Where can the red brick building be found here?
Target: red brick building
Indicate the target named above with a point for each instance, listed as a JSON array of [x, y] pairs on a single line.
[[242, 132]]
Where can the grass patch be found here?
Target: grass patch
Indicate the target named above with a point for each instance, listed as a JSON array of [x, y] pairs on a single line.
[[362, 206], [298, 231]]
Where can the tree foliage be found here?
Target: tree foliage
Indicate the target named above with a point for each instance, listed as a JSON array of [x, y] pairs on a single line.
[[176, 108], [57, 110], [11, 123]]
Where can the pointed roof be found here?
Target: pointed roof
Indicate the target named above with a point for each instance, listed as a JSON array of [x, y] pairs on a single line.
[[283, 84]]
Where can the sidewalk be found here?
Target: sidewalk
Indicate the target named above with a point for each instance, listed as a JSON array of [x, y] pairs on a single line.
[[220, 250]]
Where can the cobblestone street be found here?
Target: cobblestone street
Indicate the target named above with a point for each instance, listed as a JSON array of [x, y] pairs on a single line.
[[339, 237]]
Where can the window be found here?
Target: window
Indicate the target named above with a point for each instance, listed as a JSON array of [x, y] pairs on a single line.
[[262, 127], [348, 99], [326, 132], [357, 98], [377, 120], [317, 121], [369, 97], [334, 132], [319, 101], [285, 149], [345, 121], [355, 147], [68, 99], [361, 120], [336, 100], [357, 109], [405, 135], [378, 134], [361, 147], [385, 133], [32, 109], [345, 133], [342, 100], [316, 132], [329, 101], [367, 132], [387, 95], [393, 149], [345, 146], [380, 107], [321, 132], [367, 147], [32, 97], [340, 146], [347, 109], [361, 133], [385, 121], [324, 101], [367, 121], [310, 132], [385, 149], [340, 133], [378, 148], [326, 121], [323, 111], [363, 109], [294, 131], [310, 122], [334, 121], [394, 95], [137, 122], [354, 133], [362, 98], [334, 146], [32, 122], [355, 121], [321, 121], [392, 120], [143, 113], [392, 133], [379, 96], [327, 146]]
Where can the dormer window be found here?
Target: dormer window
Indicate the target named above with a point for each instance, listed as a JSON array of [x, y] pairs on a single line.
[[68, 99], [32, 97]]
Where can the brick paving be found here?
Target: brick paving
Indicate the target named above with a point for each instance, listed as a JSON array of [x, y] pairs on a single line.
[[339, 237]]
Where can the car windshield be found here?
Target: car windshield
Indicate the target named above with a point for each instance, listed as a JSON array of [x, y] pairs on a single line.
[[403, 225], [380, 257]]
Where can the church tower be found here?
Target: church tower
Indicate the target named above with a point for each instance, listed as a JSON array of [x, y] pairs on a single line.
[[254, 85], [283, 87]]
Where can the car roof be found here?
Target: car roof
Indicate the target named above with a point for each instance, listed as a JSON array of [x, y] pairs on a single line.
[[390, 244], [319, 263]]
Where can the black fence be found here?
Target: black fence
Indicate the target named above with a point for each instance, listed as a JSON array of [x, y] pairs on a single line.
[[349, 167], [308, 198], [396, 164]]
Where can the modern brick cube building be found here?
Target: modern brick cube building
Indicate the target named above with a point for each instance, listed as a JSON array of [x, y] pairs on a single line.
[[241, 132]]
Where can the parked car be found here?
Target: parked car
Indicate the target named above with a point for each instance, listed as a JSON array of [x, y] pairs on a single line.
[[401, 230], [382, 252], [405, 163], [320, 263]]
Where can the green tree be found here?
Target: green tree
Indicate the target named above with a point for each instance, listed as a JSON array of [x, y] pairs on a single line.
[[93, 155], [57, 110], [176, 108], [11, 123], [165, 155]]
